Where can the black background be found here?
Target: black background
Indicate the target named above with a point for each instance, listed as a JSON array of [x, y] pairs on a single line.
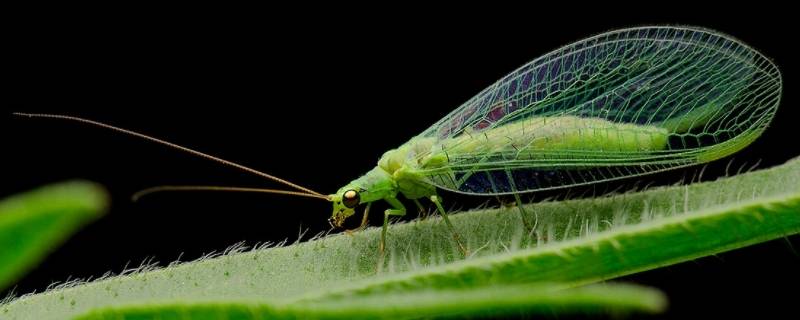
[[315, 99]]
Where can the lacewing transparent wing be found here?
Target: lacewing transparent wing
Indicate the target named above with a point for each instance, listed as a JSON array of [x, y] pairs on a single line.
[[620, 104]]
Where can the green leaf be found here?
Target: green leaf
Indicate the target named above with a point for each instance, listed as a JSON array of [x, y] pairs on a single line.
[[574, 243], [444, 303], [34, 223]]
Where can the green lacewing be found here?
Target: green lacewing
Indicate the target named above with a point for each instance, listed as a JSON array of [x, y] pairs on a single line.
[[620, 104]]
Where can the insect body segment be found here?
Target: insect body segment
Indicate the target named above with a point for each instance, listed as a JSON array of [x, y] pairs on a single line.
[[376, 184], [395, 173]]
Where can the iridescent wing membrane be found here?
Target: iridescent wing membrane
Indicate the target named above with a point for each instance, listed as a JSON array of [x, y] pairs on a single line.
[[620, 104]]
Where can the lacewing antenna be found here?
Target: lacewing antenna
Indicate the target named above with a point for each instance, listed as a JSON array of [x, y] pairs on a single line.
[[152, 190], [306, 192]]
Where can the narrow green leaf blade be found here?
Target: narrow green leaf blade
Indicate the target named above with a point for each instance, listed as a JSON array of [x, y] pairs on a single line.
[[35, 223], [487, 301]]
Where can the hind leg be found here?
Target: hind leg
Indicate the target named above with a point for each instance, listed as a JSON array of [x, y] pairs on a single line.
[[438, 203], [523, 214]]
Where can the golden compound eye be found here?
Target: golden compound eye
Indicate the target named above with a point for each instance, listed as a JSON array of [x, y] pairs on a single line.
[[350, 198]]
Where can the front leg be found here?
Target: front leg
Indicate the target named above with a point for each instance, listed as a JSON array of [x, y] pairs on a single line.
[[364, 221], [398, 209]]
